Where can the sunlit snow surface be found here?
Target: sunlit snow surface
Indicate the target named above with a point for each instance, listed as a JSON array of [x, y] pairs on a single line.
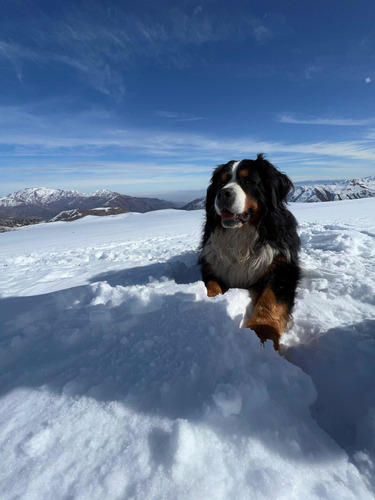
[[120, 379]]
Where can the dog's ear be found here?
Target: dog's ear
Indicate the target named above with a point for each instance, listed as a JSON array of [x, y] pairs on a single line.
[[211, 193], [212, 188], [278, 183], [281, 188], [211, 215]]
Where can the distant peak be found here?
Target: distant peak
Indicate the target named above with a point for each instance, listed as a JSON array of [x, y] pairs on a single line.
[[103, 192], [36, 190]]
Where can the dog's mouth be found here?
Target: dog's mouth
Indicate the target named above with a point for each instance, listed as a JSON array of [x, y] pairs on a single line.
[[229, 219]]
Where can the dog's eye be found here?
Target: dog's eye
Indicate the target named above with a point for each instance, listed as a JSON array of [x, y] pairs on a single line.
[[252, 180]]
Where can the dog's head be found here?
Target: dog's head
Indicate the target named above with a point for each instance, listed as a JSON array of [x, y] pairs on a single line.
[[241, 191]]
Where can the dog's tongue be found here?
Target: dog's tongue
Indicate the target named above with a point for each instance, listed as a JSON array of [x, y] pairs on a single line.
[[225, 214]]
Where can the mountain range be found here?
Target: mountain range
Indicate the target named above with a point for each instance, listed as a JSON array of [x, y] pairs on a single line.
[[343, 190], [44, 203]]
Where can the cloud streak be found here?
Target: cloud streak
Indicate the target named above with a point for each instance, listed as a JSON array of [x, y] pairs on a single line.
[[181, 117], [340, 122], [101, 44], [93, 133], [170, 160], [173, 144]]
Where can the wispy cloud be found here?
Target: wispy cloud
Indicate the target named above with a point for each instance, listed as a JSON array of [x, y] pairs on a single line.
[[310, 70], [341, 122], [88, 146], [181, 117], [262, 34], [101, 44], [168, 144], [168, 160]]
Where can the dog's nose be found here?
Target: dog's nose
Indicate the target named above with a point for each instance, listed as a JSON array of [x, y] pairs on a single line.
[[225, 194]]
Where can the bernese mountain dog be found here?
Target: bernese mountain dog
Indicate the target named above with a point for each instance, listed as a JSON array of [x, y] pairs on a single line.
[[250, 241]]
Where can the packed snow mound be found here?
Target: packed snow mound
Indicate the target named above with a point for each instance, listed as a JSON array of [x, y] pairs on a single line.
[[120, 378]]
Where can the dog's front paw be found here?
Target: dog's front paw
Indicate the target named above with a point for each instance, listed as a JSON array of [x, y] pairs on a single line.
[[213, 288], [266, 332]]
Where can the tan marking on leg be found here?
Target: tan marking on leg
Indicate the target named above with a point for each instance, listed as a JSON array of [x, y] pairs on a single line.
[[213, 288], [269, 318]]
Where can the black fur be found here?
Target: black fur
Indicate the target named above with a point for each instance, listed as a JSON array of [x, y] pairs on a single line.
[[276, 227]]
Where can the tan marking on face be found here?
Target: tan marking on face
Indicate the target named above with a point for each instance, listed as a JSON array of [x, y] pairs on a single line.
[[244, 173], [224, 177], [251, 204]]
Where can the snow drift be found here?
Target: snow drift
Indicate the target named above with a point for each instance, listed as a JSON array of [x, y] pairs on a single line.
[[121, 379]]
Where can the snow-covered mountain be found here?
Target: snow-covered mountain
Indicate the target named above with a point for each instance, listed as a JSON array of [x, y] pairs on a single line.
[[197, 204], [120, 378], [344, 190], [45, 203]]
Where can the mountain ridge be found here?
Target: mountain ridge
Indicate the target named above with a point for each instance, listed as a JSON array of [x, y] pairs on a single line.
[[45, 203]]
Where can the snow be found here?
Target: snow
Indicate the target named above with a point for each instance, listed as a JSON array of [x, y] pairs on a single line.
[[120, 378]]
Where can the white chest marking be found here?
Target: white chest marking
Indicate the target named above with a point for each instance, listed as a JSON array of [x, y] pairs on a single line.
[[233, 259]]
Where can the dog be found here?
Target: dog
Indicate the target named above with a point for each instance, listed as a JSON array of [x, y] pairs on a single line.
[[250, 241]]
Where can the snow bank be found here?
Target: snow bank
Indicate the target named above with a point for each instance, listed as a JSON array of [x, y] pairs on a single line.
[[121, 379]]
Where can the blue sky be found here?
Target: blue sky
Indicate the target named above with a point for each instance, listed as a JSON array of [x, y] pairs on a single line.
[[147, 97]]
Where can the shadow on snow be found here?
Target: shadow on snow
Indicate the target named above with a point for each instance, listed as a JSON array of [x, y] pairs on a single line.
[[168, 354]]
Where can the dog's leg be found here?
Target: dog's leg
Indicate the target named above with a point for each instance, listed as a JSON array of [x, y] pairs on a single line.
[[269, 318], [214, 285], [273, 298]]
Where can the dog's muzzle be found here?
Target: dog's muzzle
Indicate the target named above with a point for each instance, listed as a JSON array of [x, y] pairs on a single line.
[[230, 209]]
